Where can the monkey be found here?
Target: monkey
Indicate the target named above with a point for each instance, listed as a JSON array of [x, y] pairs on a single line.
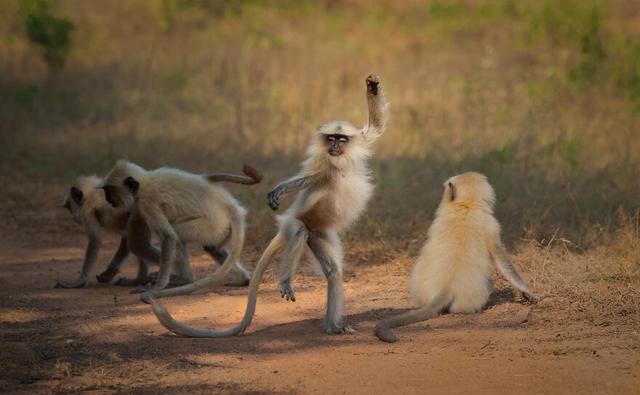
[[88, 206], [453, 270], [333, 188], [180, 207]]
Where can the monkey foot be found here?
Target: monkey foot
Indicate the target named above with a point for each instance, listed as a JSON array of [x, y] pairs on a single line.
[[286, 291], [333, 329], [78, 284], [236, 281], [372, 84], [174, 280], [127, 282], [107, 275]]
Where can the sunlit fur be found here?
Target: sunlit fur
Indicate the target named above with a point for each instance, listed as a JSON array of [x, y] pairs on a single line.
[[453, 270], [455, 259], [183, 207], [332, 192]]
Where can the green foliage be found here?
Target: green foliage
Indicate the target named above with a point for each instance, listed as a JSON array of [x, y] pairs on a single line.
[[26, 94], [632, 80], [569, 150], [502, 155], [50, 32], [591, 45]]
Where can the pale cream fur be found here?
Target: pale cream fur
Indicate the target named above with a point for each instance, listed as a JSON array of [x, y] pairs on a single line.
[[180, 207], [453, 270]]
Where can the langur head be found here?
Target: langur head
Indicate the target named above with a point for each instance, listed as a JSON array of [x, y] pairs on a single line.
[[76, 195], [339, 142], [469, 190], [116, 192]]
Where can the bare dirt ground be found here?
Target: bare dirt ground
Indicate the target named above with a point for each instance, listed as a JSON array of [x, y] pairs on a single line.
[[102, 339]]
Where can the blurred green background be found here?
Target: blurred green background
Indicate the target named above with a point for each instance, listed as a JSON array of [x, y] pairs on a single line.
[[542, 96]]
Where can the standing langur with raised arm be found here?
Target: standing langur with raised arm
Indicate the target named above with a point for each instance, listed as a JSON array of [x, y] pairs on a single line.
[[453, 270], [88, 206], [333, 189], [180, 207]]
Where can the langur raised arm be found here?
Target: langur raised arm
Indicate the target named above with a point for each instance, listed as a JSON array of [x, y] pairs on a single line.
[[378, 109]]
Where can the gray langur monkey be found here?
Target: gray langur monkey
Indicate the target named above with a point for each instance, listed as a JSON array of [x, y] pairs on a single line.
[[88, 206], [453, 271], [333, 188], [180, 207]]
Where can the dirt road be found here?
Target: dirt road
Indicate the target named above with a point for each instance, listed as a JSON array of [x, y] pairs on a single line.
[[102, 339]]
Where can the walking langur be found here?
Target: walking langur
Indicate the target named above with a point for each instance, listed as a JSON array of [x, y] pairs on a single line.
[[88, 206], [453, 271], [180, 207], [333, 189]]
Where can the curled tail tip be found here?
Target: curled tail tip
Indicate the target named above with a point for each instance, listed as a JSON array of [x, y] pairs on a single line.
[[384, 333], [252, 172], [147, 298]]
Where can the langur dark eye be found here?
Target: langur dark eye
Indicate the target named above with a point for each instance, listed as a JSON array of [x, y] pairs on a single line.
[[331, 139]]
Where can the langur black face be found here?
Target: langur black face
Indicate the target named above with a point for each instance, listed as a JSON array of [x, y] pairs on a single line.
[[110, 195], [336, 143]]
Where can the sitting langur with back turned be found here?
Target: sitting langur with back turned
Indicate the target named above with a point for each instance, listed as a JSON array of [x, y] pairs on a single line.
[[180, 207], [333, 189], [453, 271], [88, 206]]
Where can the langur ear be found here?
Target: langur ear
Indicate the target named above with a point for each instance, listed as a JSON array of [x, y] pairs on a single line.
[[66, 204], [452, 189], [76, 195], [131, 184]]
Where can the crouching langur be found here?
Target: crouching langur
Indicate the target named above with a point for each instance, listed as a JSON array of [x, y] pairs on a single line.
[[333, 189], [179, 207], [453, 271]]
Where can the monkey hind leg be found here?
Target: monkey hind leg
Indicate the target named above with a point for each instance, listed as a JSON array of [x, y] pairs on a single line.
[[327, 251], [430, 310], [141, 278], [290, 259]]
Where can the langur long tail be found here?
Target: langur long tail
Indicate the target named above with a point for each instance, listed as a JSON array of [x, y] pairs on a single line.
[[251, 177], [430, 310], [190, 331]]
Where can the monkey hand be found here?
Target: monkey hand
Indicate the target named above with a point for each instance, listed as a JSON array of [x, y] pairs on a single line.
[[107, 275], [373, 82], [533, 298], [77, 284], [274, 197]]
